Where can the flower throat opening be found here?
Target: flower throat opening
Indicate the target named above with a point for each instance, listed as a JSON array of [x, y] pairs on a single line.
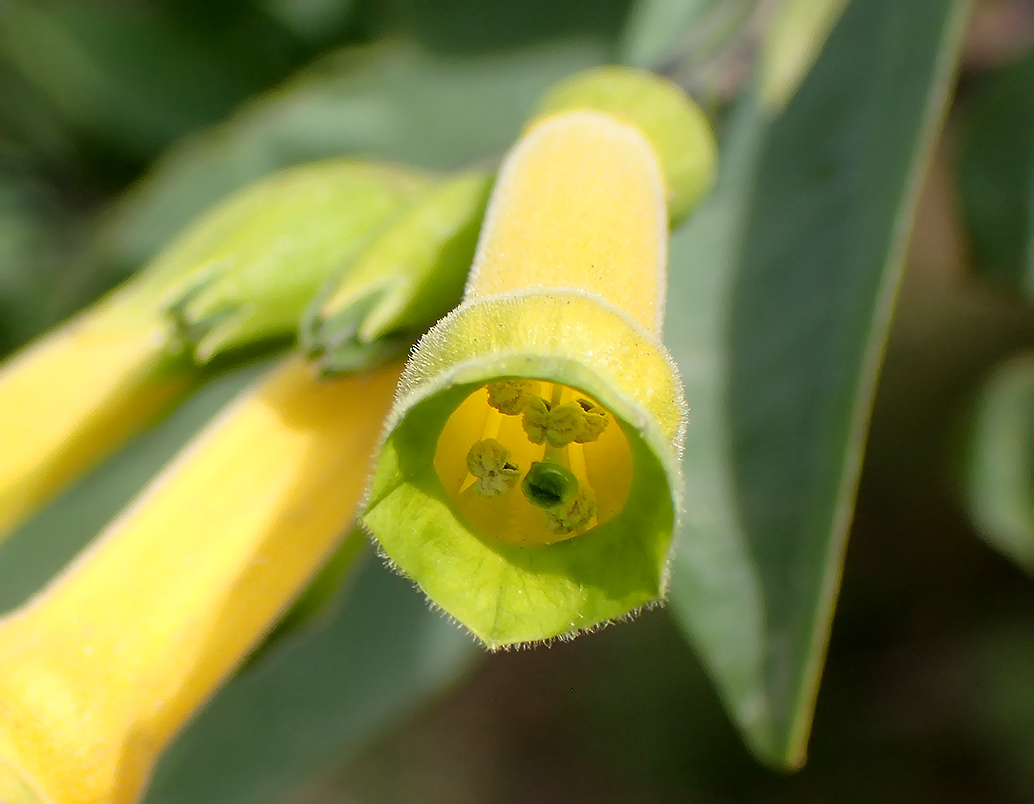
[[533, 462]]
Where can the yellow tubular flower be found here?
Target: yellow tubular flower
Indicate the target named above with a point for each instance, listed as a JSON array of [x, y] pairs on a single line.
[[103, 667], [529, 478], [116, 378], [579, 204]]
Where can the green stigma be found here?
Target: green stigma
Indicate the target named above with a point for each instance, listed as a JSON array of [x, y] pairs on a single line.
[[549, 484]]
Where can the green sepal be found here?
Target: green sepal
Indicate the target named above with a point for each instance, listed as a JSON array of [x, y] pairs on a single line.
[[676, 127], [409, 276], [506, 594], [245, 272]]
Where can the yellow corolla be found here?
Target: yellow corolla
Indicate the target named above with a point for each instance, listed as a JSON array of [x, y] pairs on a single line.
[[75, 395], [529, 477], [105, 665]]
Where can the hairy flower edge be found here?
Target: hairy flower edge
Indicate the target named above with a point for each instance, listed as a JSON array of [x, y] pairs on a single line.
[[510, 594]]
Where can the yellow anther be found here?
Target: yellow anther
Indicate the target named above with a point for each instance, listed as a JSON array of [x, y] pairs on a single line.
[[594, 421], [489, 462], [564, 424], [582, 421], [510, 396], [536, 419], [571, 516]]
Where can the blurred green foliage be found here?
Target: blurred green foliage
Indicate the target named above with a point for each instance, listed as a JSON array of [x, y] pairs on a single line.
[[775, 319], [999, 462], [121, 122], [996, 176]]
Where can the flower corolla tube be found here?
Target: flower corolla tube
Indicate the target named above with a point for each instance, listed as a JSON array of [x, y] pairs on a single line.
[[529, 476]]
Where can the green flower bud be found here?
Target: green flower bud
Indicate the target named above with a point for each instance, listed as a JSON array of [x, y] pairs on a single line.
[[674, 124], [248, 270], [243, 273], [403, 281]]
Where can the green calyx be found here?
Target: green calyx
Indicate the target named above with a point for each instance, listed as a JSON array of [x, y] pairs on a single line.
[[404, 280], [676, 127], [604, 553], [245, 272]]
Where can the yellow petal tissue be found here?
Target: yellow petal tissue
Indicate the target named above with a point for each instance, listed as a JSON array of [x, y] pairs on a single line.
[[106, 664]]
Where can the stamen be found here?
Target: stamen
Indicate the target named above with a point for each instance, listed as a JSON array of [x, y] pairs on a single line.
[[573, 467], [489, 462], [536, 419], [510, 396], [559, 425], [570, 516], [564, 424], [594, 421]]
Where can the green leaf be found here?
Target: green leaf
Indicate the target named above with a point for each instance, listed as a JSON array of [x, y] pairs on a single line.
[[392, 100], [998, 475], [793, 42], [700, 44], [996, 176], [315, 700], [34, 247], [657, 30], [126, 77], [780, 294], [459, 26]]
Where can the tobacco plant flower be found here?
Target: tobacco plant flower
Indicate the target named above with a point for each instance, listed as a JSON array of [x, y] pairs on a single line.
[[100, 670], [529, 478]]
